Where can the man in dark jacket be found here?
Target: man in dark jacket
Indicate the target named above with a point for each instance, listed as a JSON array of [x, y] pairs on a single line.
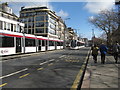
[[103, 51]]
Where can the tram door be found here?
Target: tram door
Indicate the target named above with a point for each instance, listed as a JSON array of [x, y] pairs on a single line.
[[18, 44], [46, 45], [39, 47]]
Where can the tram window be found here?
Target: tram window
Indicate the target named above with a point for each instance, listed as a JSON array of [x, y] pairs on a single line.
[[61, 43], [39, 42], [43, 42], [7, 41], [0, 40], [1, 25], [58, 43], [29, 42], [46, 42], [51, 43]]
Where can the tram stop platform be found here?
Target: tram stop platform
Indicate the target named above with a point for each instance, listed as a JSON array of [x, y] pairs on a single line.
[[102, 76]]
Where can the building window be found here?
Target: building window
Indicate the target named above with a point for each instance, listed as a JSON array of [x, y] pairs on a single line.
[[25, 20], [46, 18], [29, 31], [18, 28], [52, 31], [39, 30], [21, 29], [25, 25], [30, 25], [11, 27], [25, 30], [52, 26], [46, 24], [8, 26], [41, 13], [32, 31], [39, 18], [30, 19], [1, 25], [46, 30], [4, 25], [40, 24], [14, 27]]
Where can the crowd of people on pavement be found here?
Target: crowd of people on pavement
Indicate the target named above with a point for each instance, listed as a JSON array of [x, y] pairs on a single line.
[[103, 50]]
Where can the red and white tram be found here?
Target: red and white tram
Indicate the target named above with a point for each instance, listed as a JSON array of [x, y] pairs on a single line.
[[14, 42]]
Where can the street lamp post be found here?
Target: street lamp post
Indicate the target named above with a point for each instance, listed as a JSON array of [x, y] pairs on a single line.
[[65, 28]]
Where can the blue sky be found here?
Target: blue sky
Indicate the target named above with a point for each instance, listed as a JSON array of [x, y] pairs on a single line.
[[78, 12], [78, 17]]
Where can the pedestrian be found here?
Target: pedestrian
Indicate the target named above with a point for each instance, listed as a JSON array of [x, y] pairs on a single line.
[[95, 52], [103, 51], [116, 49]]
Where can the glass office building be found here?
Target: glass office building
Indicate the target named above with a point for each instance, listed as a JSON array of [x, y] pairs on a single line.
[[41, 21]]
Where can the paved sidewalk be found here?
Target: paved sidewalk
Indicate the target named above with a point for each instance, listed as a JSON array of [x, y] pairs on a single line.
[[102, 75]]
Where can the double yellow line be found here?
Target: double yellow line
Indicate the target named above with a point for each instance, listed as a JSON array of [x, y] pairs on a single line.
[[78, 77], [3, 84]]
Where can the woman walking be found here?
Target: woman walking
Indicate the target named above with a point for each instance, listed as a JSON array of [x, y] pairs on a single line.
[[95, 53]]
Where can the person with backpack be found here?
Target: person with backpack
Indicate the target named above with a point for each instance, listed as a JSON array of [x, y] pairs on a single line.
[[103, 51], [95, 53], [116, 49]]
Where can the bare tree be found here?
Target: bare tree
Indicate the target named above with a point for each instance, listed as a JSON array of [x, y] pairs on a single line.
[[106, 21]]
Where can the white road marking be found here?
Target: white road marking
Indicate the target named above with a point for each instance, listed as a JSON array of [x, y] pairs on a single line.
[[62, 56], [47, 61], [52, 60], [14, 73], [44, 63]]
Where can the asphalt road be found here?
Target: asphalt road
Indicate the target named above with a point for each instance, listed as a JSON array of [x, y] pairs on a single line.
[[54, 69]]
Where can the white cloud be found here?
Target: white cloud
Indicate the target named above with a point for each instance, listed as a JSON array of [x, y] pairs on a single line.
[[62, 14], [96, 7]]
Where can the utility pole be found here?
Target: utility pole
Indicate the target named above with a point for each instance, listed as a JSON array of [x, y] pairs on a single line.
[[93, 36], [65, 28]]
